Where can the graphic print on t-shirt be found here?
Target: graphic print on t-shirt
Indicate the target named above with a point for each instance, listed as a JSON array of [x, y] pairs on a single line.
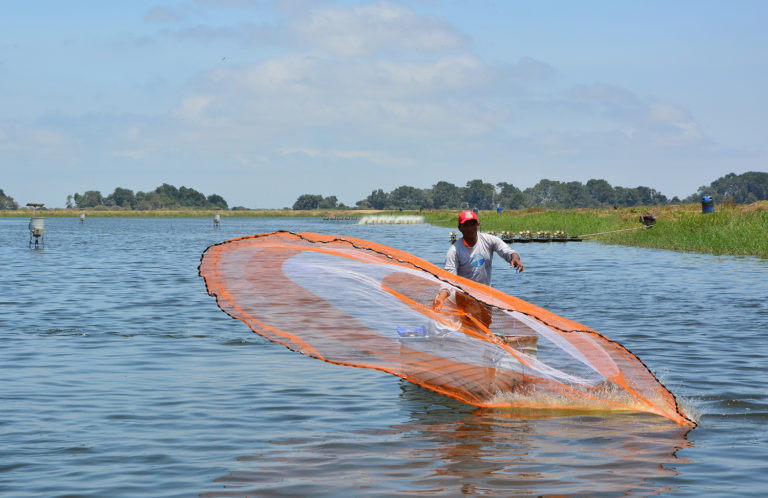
[[477, 260]]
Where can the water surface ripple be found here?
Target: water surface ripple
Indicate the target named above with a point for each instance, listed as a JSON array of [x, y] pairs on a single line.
[[119, 376]]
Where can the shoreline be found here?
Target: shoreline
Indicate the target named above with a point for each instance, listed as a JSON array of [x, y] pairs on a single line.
[[738, 230], [188, 213]]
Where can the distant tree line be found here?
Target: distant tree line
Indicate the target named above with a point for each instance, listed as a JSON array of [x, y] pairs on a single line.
[[748, 187], [163, 197], [741, 189], [481, 195], [311, 201]]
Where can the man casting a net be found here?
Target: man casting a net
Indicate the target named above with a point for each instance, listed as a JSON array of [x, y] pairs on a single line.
[[345, 300], [471, 257]]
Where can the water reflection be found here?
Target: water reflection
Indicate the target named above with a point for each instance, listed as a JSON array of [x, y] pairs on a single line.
[[502, 451], [445, 447]]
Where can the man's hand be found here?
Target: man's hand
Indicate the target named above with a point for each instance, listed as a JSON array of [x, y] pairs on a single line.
[[515, 263], [439, 299]]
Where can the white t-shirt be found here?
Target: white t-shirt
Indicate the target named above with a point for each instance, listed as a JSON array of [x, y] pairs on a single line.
[[475, 262]]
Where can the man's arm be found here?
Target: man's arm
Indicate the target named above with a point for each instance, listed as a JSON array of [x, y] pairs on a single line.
[[451, 262], [509, 255]]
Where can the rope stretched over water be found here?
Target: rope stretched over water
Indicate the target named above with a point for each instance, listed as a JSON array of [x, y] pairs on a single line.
[[614, 231]]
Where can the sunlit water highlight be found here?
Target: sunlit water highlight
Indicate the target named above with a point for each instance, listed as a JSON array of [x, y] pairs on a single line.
[[119, 376]]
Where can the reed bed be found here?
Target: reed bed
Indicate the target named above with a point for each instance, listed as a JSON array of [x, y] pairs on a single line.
[[731, 229]]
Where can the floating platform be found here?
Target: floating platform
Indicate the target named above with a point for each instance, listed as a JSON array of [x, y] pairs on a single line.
[[340, 218], [391, 220], [525, 241]]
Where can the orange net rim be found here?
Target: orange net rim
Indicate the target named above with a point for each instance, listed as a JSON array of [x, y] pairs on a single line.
[[462, 284]]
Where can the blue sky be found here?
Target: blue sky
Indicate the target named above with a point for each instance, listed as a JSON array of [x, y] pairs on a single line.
[[262, 101]]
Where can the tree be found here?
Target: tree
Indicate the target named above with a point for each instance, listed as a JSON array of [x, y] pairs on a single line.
[[217, 201], [543, 193], [121, 197], [168, 190], [377, 200], [167, 196], [329, 203], [307, 201], [745, 188], [754, 187], [509, 196], [406, 197], [479, 194], [189, 197], [650, 197], [90, 198], [149, 200], [627, 197], [446, 195], [576, 195], [601, 191], [7, 202]]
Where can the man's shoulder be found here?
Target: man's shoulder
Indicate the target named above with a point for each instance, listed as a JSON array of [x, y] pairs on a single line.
[[487, 237], [494, 243]]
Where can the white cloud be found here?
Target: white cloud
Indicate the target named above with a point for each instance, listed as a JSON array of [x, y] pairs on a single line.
[[285, 94], [368, 30], [675, 125], [42, 141], [292, 74], [446, 73], [193, 108], [668, 114], [251, 160], [368, 156], [47, 138], [627, 115], [307, 75]]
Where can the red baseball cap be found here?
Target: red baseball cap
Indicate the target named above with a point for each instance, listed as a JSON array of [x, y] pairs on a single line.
[[467, 215]]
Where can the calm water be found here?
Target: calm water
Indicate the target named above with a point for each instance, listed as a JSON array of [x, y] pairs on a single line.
[[119, 376]]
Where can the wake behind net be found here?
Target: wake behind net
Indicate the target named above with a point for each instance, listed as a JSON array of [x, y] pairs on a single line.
[[359, 303]]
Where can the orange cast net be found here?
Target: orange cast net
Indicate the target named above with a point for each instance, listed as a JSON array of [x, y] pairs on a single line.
[[359, 303]]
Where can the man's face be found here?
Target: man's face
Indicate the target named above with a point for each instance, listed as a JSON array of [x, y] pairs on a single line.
[[469, 228]]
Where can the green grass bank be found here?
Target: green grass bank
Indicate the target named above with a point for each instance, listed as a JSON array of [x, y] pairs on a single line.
[[731, 229]]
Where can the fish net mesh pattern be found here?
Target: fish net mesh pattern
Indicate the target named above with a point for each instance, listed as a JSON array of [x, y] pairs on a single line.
[[359, 303]]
